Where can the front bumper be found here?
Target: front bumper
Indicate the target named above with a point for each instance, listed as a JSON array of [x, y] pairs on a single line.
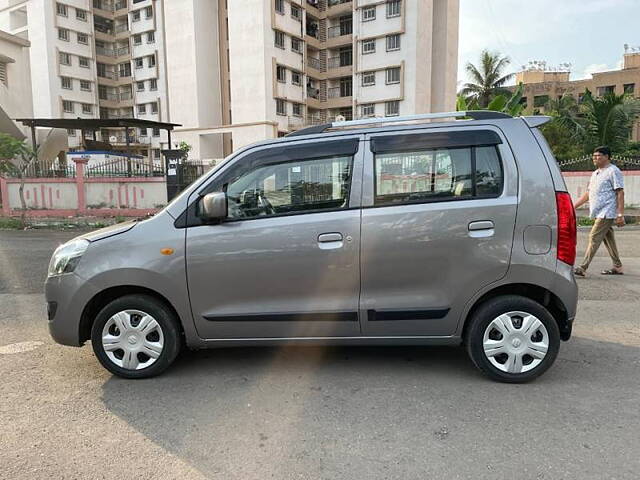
[[66, 296]]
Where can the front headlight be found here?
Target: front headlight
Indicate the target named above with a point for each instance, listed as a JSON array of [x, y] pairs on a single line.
[[66, 257]]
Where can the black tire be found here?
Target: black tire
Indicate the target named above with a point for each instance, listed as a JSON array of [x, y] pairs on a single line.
[[492, 309], [160, 312]]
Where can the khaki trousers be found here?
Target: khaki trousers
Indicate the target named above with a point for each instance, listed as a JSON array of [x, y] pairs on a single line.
[[602, 231]]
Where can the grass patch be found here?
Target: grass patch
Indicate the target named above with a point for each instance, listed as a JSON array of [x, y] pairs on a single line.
[[585, 221], [11, 223]]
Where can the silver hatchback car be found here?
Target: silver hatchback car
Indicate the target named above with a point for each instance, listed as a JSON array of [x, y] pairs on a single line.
[[402, 231]]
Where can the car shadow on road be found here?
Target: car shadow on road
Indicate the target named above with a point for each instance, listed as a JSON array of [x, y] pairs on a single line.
[[228, 411]]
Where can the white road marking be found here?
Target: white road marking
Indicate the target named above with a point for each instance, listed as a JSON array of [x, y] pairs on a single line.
[[19, 347]]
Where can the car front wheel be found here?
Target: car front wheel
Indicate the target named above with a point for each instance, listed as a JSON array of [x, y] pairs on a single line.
[[136, 336], [512, 339]]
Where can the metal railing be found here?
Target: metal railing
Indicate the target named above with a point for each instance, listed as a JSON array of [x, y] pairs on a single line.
[[123, 27], [103, 29], [123, 167], [585, 163], [340, 30], [339, 92], [45, 169], [314, 63], [121, 4], [110, 74], [339, 62], [338, 2]]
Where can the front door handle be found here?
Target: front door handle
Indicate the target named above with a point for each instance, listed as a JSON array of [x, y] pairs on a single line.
[[329, 237], [481, 225]]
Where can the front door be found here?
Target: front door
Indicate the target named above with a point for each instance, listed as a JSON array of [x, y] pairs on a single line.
[[286, 261], [439, 227]]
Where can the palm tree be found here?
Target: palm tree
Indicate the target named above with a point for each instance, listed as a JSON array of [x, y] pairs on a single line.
[[608, 120], [488, 80]]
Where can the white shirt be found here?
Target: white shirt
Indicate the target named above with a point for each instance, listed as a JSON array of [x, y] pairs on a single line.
[[602, 191]]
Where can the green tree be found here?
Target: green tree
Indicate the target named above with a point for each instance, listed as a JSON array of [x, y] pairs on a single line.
[[488, 79], [607, 120], [15, 158], [510, 104]]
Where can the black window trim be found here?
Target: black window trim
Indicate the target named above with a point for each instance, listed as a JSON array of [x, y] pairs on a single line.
[[190, 218], [474, 195]]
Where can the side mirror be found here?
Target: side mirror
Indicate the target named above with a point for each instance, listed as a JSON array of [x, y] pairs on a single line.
[[213, 206]]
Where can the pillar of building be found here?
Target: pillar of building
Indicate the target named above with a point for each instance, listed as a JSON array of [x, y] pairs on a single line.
[[82, 194]]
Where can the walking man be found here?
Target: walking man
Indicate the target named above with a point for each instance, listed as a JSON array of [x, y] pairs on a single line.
[[605, 195]]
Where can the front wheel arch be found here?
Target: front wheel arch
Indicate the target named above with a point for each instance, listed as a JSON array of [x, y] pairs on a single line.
[[104, 297]]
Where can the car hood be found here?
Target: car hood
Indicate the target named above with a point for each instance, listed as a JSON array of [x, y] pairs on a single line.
[[107, 232]]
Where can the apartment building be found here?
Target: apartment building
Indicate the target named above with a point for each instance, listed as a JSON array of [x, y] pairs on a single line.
[[282, 65], [95, 59], [15, 84], [541, 84]]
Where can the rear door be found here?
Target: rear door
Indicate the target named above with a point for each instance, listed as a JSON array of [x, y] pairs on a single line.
[[439, 208]]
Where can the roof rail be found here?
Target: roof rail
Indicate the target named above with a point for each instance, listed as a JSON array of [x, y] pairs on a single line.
[[473, 114]]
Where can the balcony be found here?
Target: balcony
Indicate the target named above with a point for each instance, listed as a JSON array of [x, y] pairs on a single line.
[[122, 28], [339, 92], [314, 63], [341, 61], [340, 30]]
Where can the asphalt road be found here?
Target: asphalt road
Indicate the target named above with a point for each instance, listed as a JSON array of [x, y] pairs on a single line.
[[318, 413]]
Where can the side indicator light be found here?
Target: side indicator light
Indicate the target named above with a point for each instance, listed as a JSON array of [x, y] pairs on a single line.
[[166, 251]]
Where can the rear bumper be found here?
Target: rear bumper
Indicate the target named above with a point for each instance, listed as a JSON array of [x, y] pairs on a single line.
[[566, 288], [66, 297]]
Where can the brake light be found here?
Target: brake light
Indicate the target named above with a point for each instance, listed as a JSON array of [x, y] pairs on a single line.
[[566, 228]]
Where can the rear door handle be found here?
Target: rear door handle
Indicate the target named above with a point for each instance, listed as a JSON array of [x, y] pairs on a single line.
[[329, 237], [481, 229]]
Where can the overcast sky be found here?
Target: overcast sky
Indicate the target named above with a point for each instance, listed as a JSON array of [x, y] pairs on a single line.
[[589, 34]]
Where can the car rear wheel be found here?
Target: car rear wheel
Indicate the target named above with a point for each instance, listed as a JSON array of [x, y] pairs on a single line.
[[512, 339], [136, 336]]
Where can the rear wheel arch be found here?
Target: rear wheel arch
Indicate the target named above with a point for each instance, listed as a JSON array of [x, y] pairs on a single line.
[[102, 298], [539, 294]]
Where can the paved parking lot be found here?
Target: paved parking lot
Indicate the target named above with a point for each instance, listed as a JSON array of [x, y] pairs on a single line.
[[319, 413]]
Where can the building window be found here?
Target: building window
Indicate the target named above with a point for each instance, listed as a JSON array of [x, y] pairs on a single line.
[[280, 6], [368, 110], [61, 9], [156, 132], [65, 82], [67, 106], [152, 61], [65, 58], [124, 69], [137, 39], [154, 108], [85, 85], [135, 16], [281, 107], [393, 75], [296, 12], [296, 45], [63, 34], [81, 14], [138, 62], [153, 84], [83, 38], [151, 37], [605, 90], [3, 74], [281, 74], [629, 87], [393, 8], [83, 62], [368, 79], [148, 12], [368, 14], [296, 78], [156, 151], [540, 100], [140, 86], [392, 108], [71, 132], [297, 109], [143, 132], [279, 39], [87, 108], [393, 42], [369, 46], [142, 109]]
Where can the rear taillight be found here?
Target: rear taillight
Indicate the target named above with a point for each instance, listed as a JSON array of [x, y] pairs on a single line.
[[566, 228]]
